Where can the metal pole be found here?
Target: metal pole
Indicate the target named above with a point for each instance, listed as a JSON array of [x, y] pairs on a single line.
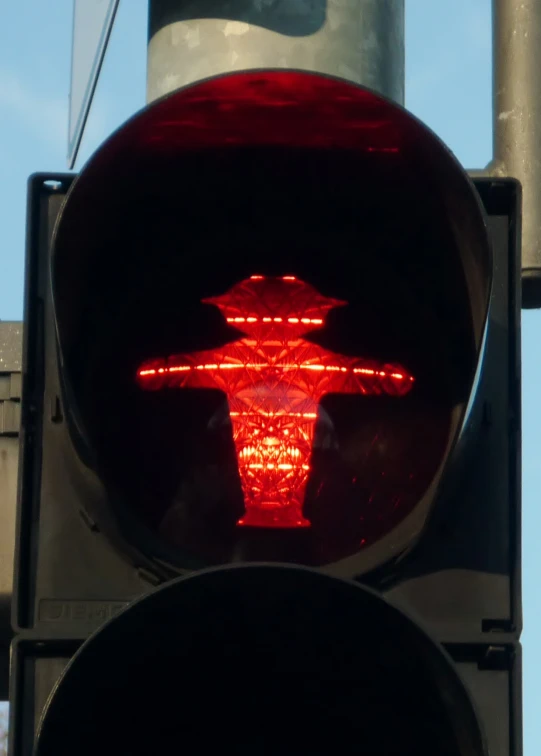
[[358, 40], [517, 123]]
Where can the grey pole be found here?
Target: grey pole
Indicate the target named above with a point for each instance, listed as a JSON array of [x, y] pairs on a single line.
[[517, 122], [358, 40]]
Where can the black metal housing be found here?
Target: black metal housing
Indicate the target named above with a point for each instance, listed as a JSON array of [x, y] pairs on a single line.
[[461, 582]]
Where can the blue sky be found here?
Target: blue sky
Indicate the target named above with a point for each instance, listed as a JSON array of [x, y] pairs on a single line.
[[448, 85]]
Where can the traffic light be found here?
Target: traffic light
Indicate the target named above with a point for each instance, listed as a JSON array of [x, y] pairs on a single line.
[[270, 446]]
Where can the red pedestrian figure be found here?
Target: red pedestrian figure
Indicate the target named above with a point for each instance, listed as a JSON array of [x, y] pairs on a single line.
[[274, 380]]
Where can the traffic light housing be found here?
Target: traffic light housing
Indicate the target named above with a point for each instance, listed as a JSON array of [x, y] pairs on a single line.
[[303, 672], [179, 414]]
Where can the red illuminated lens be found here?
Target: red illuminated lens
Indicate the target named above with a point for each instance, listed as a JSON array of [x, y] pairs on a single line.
[[274, 380]]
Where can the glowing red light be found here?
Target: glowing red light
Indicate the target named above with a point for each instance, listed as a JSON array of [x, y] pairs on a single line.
[[273, 380]]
